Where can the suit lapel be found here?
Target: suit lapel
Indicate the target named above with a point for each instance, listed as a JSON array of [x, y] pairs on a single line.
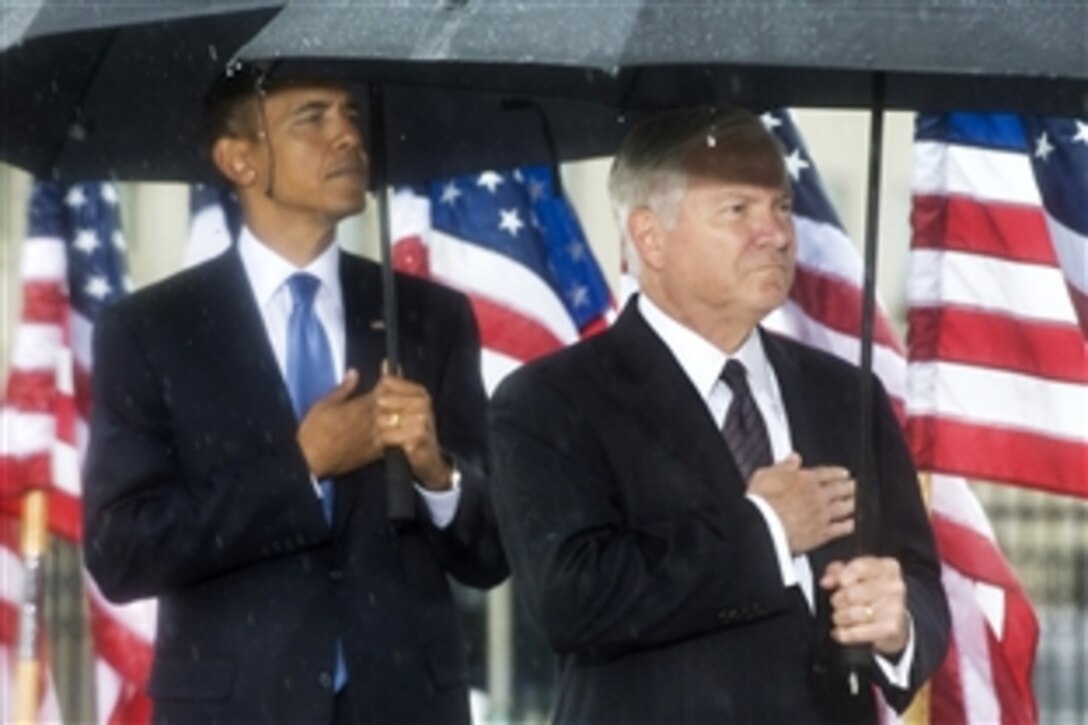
[[795, 397], [364, 347], [813, 430], [654, 390], [236, 329]]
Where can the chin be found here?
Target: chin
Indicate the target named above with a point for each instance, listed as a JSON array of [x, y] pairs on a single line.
[[350, 207]]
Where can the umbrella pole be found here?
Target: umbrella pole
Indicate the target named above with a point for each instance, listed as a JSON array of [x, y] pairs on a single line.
[[859, 657], [400, 498]]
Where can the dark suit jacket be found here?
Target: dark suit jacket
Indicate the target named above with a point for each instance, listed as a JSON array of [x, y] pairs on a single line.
[[651, 574], [197, 493]]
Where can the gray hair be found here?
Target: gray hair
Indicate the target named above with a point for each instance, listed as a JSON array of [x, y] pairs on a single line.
[[652, 167]]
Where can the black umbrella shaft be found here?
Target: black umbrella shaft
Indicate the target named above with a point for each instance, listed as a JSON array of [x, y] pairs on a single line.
[[400, 498], [857, 658], [868, 300], [378, 177]]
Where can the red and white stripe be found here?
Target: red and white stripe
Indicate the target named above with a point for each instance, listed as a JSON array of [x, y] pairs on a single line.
[[44, 425], [824, 307], [998, 363], [986, 677]]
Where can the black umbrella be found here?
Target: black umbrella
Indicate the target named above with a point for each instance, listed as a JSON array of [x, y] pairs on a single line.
[[114, 88], [636, 53], [580, 62]]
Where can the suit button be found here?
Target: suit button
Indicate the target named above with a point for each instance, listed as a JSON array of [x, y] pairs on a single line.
[[336, 574], [325, 680]]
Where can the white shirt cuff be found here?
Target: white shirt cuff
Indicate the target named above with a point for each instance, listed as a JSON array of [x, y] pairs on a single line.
[[899, 673], [442, 504], [778, 537]]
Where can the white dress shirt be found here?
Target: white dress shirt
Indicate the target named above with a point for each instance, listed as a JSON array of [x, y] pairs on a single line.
[[703, 362], [268, 273]]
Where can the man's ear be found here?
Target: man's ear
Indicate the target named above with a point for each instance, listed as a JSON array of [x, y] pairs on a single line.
[[647, 232], [232, 158]]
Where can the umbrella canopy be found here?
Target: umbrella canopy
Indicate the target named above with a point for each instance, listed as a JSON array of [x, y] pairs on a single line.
[[449, 69], [114, 88], [938, 54]]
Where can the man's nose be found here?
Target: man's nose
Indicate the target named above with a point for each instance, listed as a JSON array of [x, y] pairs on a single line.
[[775, 228], [348, 134]]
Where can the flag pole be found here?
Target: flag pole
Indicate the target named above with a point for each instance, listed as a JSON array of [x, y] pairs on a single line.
[[918, 712], [34, 537]]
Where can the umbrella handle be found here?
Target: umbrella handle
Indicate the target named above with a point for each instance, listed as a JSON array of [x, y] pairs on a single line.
[[400, 498]]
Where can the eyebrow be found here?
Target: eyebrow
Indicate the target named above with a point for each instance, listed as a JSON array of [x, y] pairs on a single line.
[[309, 107], [323, 105]]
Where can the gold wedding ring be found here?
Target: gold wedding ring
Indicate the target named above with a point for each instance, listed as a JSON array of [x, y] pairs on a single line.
[[868, 614], [394, 420]]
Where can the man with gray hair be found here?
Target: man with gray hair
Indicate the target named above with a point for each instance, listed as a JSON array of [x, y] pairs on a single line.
[[676, 503]]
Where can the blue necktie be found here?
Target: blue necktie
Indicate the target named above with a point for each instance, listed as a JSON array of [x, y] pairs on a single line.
[[310, 375], [309, 359]]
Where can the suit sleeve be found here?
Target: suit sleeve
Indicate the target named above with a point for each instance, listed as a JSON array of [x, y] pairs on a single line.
[[594, 581], [469, 548], [150, 525], [906, 534]]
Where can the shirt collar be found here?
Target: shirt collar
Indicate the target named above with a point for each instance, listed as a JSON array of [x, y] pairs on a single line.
[[268, 271], [700, 360]]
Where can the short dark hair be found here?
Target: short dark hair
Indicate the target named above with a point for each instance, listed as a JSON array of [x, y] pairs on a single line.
[[229, 105]]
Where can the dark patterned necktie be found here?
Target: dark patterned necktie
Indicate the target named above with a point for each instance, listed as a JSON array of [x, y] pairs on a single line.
[[744, 430]]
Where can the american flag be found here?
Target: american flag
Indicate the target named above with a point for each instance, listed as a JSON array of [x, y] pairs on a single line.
[[72, 266], [214, 220], [999, 344], [993, 661], [512, 243], [999, 361]]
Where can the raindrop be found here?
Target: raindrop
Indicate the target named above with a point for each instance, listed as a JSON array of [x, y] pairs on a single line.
[[213, 52], [77, 132]]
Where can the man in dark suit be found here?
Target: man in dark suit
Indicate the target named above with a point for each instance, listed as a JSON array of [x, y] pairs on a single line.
[[676, 499], [256, 516]]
